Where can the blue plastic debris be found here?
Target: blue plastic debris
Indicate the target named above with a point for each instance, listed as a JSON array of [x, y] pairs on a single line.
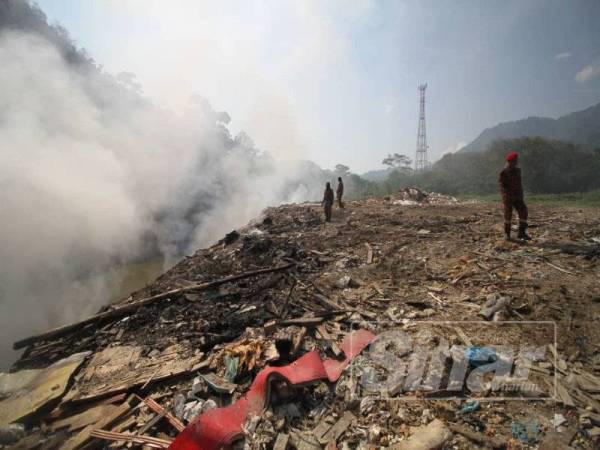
[[469, 407], [231, 367], [478, 356], [527, 432]]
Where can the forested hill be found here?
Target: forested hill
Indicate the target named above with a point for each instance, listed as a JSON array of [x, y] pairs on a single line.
[[581, 128]]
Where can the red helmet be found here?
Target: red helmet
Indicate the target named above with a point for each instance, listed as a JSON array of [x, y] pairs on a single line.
[[512, 156]]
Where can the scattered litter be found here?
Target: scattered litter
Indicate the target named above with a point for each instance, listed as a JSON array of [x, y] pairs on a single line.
[[559, 420], [479, 356], [204, 344], [29, 390], [528, 432], [218, 384], [428, 437], [493, 305], [470, 407], [9, 434]]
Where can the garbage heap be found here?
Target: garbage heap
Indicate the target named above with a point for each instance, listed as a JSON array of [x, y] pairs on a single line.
[[293, 333], [411, 196]]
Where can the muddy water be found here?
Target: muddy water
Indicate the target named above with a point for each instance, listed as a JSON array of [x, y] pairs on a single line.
[[135, 276], [87, 295]]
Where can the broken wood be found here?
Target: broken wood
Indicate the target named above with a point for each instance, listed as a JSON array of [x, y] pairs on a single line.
[[560, 269], [85, 435], [154, 406], [325, 335], [463, 336], [479, 438], [328, 303], [152, 422], [131, 307], [133, 438], [307, 321], [88, 417], [297, 340], [369, 253], [281, 443], [337, 429], [283, 310], [120, 369]]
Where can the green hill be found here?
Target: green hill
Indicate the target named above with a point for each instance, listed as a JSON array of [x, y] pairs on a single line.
[[581, 128]]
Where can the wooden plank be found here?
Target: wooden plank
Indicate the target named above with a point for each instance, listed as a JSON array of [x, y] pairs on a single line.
[[81, 420], [322, 428], [327, 302], [307, 321], [281, 443], [30, 390], [133, 438], [119, 369], [338, 428], [84, 436], [152, 422], [154, 406]]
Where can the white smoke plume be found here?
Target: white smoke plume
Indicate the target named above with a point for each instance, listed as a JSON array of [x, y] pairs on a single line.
[[92, 176]]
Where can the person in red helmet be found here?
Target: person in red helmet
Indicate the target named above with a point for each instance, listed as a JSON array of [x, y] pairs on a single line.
[[512, 196]]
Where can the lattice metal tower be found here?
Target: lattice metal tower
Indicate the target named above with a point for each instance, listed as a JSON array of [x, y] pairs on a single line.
[[421, 160]]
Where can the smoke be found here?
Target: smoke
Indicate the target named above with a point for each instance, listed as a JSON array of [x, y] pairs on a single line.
[[93, 176]]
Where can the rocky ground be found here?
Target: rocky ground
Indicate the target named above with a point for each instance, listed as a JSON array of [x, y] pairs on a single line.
[[413, 268]]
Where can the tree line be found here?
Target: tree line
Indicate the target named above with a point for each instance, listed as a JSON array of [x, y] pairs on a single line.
[[548, 167]]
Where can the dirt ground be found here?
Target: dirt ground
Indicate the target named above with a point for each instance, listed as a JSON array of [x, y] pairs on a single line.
[[379, 265]]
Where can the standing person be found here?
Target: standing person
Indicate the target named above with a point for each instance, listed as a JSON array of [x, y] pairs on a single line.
[[340, 192], [512, 196], [327, 201]]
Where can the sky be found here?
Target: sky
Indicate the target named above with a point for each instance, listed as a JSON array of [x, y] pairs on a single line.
[[336, 81]]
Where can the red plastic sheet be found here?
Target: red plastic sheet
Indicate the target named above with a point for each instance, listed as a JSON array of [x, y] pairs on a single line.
[[219, 427]]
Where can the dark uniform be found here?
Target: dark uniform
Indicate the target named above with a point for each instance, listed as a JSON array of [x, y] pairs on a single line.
[[340, 193], [328, 203], [512, 197]]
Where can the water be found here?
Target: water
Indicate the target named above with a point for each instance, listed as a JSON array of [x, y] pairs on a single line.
[[86, 295], [133, 277]]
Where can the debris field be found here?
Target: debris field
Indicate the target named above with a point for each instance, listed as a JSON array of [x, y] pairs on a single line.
[[284, 322]]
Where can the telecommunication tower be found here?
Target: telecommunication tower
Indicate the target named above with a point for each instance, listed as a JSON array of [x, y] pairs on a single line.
[[421, 160]]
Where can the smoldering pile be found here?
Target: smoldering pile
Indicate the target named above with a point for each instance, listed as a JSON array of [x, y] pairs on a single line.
[[283, 295]]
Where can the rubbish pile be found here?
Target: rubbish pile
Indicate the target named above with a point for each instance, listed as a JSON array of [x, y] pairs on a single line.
[[413, 196], [377, 330]]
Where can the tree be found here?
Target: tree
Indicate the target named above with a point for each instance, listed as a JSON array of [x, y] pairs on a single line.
[[341, 170], [244, 143], [398, 161]]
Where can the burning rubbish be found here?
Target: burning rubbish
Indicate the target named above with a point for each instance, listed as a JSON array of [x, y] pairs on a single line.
[[266, 340]]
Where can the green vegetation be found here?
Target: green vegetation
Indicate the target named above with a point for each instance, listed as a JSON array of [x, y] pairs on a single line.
[[553, 171]]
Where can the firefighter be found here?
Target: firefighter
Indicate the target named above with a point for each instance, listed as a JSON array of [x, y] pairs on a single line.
[[339, 193], [327, 201], [512, 196]]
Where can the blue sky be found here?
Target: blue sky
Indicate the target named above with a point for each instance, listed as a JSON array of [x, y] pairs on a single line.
[[336, 81]]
